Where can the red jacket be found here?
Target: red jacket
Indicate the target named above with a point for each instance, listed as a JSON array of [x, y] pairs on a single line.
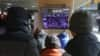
[[51, 52]]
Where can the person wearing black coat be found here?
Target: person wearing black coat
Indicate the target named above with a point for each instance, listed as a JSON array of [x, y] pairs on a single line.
[[18, 30], [84, 42]]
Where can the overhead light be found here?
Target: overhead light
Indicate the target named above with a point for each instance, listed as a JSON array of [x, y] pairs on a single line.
[[26, 8], [5, 13], [33, 6], [0, 12], [9, 4]]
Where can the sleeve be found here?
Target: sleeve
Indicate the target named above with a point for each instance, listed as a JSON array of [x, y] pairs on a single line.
[[32, 49], [82, 47], [89, 48], [68, 47]]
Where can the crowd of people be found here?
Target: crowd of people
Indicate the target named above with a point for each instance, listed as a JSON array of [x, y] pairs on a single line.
[[17, 28]]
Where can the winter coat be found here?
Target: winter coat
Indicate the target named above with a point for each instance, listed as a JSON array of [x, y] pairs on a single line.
[[64, 38], [51, 52], [18, 31], [84, 44]]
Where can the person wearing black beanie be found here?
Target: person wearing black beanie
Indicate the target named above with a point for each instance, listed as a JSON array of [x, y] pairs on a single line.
[[84, 42]]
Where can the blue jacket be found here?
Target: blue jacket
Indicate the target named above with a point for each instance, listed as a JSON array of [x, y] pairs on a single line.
[[64, 38]]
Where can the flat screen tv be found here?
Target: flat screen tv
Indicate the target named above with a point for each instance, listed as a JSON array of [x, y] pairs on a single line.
[[55, 18]]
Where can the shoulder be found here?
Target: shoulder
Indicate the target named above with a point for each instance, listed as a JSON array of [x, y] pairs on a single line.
[[19, 36]]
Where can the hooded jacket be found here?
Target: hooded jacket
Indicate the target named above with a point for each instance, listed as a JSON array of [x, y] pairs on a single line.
[[64, 38], [18, 24], [18, 30], [84, 42]]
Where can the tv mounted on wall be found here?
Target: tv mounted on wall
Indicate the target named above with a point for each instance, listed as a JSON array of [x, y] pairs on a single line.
[[55, 18]]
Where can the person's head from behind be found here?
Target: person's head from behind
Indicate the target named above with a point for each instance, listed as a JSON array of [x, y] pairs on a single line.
[[52, 42], [17, 19], [81, 22], [17, 12]]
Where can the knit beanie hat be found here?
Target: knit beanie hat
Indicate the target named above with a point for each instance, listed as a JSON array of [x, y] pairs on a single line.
[[52, 42], [81, 22]]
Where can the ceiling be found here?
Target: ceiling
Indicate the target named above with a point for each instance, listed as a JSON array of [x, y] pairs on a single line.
[[27, 4]]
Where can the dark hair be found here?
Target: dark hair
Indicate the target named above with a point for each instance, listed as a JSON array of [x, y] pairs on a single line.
[[37, 30], [52, 42], [81, 22]]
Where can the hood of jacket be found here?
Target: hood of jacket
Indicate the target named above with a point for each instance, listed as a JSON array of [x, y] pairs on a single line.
[[17, 20]]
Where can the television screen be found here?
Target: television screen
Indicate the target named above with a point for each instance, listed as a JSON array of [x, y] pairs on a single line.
[[55, 18]]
